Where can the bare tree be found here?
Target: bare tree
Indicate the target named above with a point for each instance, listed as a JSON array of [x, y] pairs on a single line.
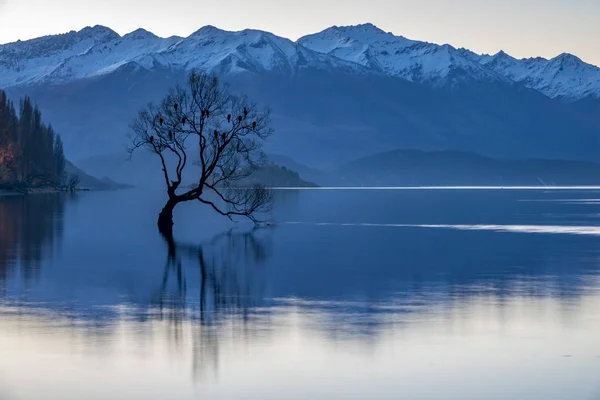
[[223, 133]]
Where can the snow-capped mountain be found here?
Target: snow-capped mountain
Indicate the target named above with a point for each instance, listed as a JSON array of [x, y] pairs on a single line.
[[99, 51], [96, 51], [105, 57], [24, 62], [226, 52], [565, 76], [397, 56]]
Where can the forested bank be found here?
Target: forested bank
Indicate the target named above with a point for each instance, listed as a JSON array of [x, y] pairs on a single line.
[[31, 153]]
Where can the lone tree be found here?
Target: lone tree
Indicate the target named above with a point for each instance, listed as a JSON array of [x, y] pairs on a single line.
[[203, 123]]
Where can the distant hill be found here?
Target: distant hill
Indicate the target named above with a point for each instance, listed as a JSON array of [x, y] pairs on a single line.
[[276, 176], [117, 166], [304, 171], [448, 168], [90, 182]]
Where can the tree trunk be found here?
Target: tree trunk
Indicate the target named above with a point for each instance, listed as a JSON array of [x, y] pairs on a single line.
[[165, 219]]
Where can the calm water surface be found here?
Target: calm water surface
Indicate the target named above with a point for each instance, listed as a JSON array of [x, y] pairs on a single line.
[[372, 294]]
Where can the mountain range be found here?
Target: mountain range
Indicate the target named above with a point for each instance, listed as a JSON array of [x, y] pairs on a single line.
[[335, 96], [96, 51]]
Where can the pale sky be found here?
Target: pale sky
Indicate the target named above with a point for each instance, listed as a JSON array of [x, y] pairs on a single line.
[[523, 28]]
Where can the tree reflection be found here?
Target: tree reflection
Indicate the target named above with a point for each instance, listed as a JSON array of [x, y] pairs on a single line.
[[229, 291], [29, 227]]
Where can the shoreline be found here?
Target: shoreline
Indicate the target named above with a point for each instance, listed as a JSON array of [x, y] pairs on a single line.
[[7, 192], [10, 193]]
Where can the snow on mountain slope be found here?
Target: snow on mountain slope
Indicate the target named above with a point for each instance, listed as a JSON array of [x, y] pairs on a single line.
[[397, 56], [22, 63], [106, 57], [99, 51], [222, 51], [565, 76]]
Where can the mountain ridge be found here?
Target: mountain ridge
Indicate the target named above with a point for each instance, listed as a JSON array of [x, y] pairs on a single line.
[[99, 51], [565, 76], [363, 48]]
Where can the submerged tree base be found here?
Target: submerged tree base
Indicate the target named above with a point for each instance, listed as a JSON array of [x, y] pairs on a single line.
[[165, 220]]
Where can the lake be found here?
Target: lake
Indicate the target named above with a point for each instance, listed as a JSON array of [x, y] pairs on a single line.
[[352, 294]]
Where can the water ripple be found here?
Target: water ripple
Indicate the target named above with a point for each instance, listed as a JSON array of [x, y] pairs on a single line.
[[541, 229]]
